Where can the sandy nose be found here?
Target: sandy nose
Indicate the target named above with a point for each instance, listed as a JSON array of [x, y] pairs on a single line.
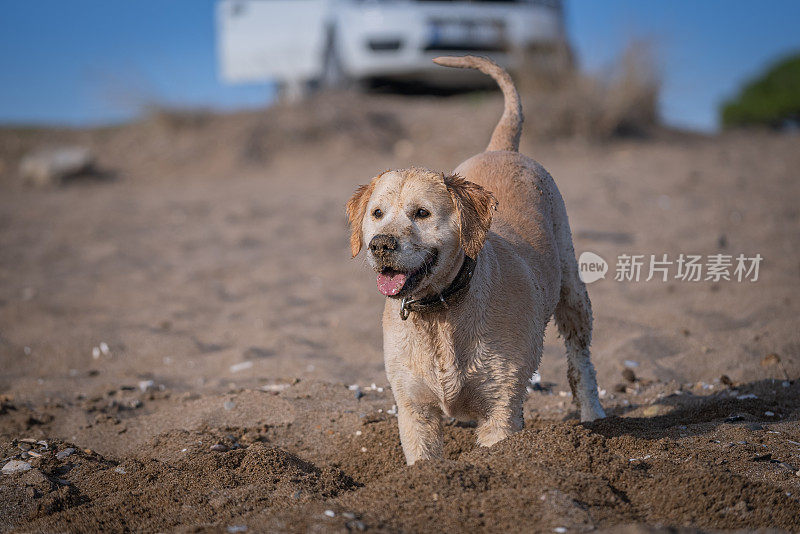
[[383, 245]]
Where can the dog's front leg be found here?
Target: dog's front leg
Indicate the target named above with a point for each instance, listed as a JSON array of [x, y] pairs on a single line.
[[420, 430], [504, 418]]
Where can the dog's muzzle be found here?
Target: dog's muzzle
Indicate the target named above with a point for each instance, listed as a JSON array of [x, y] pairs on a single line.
[[383, 247]]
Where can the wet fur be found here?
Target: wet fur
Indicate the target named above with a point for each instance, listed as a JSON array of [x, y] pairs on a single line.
[[473, 361]]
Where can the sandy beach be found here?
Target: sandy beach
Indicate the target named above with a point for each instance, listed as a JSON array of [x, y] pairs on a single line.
[[186, 345]]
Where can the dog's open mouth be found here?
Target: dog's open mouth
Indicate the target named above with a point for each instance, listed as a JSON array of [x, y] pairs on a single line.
[[394, 283]]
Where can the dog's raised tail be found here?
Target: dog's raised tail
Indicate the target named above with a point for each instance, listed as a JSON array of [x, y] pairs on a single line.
[[508, 130]]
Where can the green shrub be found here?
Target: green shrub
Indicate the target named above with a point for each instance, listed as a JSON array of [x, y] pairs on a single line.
[[771, 100]]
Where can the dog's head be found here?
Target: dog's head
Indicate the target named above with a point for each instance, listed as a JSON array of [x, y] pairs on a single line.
[[415, 224]]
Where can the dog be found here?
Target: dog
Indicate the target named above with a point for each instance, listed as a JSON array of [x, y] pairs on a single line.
[[473, 264]]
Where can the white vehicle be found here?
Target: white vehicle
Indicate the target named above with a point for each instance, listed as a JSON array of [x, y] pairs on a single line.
[[302, 42]]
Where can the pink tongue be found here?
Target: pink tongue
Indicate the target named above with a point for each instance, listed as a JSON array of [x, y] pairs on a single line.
[[391, 284]]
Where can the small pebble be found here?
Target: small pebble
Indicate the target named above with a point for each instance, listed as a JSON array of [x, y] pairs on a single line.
[[358, 394], [359, 526], [25, 446], [632, 364], [241, 366], [146, 385], [363, 449], [348, 515], [629, 375], [229, 405], [237, 528], [104, 348], [652, 411], [769, 414], [770, 359], [219, 447], [330, 513], [16, 466], [358, 432], [120, 470], [746, 396], [275, 388], [560, 530]]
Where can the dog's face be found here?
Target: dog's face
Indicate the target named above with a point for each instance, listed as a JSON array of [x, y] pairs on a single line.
[[415, 224]]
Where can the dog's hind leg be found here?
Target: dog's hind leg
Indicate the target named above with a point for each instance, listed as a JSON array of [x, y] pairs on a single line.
[[573, 316]]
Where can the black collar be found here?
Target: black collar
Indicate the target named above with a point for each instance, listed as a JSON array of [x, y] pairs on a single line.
[[451, 295]]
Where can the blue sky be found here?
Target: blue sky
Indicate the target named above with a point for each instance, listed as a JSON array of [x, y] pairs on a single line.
[[99, 61]]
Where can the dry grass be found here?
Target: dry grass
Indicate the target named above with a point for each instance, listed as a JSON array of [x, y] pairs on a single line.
[[564, 102]]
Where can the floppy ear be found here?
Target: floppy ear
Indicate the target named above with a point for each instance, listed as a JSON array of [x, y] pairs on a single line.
[[356, 207], [474, 206]]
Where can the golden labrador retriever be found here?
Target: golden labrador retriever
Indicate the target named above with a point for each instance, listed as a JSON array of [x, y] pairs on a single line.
[[473, 265]]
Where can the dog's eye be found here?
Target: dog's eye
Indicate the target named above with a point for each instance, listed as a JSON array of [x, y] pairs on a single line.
[[377, 213], [422, 213]]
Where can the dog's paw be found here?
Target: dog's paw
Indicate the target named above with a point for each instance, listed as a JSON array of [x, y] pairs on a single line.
[[592, 413]]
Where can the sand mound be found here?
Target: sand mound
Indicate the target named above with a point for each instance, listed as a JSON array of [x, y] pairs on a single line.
[[698, 460], [153, 491]]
